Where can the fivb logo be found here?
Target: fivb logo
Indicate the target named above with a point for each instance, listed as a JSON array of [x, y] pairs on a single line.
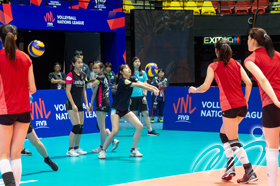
[[49, 19], [39, 110], [100, 1], [184, 115]]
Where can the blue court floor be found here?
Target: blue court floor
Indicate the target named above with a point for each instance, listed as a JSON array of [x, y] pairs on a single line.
[[171, 153]]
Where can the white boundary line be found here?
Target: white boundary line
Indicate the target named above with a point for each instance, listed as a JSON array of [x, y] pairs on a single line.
[[172, 176], [2, 183]]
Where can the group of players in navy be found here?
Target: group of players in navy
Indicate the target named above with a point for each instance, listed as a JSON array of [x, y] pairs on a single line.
[[75, 90]]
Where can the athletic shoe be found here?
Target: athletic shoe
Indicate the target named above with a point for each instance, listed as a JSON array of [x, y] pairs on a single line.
[[115, 144], [229, 173], [72, 153], [25, 152], [152, 120], [248, 178], [102, 154], [52, 164], [80, 151], [135, 153], [159, 120], [153, 133], [97, 150]]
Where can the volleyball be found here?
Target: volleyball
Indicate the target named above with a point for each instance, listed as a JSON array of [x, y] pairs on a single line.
[[36, 48], [151, 69]]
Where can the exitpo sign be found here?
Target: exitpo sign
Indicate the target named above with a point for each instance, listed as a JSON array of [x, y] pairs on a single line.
[[233, 40]]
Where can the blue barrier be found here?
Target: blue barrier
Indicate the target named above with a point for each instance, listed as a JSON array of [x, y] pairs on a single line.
[[202, 112], [183, 111], [49, 117]]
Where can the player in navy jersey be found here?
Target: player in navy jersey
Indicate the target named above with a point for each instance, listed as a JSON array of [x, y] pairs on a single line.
[[120, 108], [101, 96], [75, 90]]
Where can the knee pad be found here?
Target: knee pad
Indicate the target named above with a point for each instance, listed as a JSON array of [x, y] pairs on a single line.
[[81, 129], [235, 143], [76, 129], [30, 129], [223, 137]]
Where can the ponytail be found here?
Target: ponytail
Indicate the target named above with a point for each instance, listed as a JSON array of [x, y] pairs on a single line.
[[268, 45], [225, 52], [263, 40], [8, 34]]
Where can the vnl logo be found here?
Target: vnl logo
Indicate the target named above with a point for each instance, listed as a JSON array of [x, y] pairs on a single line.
[[49, 19], [38, 109], [207, 161], [184, 114]]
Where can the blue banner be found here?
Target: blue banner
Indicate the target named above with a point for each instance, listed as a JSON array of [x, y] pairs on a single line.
[[112, 24], [65, 19], [109, 5], [50, 118], [202, 112]]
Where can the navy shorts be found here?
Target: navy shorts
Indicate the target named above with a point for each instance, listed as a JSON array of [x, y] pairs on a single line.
[[10, 119], [137, 102], [271, 116], [118, 112], [233, 113]]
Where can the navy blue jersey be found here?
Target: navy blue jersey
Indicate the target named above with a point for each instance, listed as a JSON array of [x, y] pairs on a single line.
[[77, 88], [123, 94]]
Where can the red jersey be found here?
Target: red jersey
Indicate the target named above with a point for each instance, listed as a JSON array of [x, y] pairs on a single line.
[[270, 68], [228, 79], [14, 88]]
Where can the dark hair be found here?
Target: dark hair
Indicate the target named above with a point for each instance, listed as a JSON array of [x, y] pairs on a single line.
[[78, 53], [119, 75], [263, 40], [102, 66], [160, 70], [74, 59], [57, 63], [225, 52], [90, 62], [7, 34], [140, 67], [108, 64]]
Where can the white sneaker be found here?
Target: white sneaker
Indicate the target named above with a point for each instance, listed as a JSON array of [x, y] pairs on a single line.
[[72, 153], [80, 151], [115, 144], [102, 154], [135, 153], [97, 150]]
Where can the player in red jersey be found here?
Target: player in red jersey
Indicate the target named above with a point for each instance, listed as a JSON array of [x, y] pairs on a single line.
[[15, 69], [228, 74], [264, 64]]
